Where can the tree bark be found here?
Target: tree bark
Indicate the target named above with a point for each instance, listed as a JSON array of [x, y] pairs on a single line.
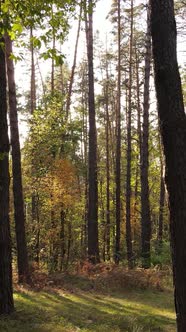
[[93, 247], [107, 143], [129, 143], [145, 204], [118, 141], [173, 129], [22, 257], [6, 292]]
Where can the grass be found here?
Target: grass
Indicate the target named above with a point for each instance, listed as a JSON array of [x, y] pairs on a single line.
[[58, 310]]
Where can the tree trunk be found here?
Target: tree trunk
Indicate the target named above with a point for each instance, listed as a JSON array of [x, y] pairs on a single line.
[[161, 210], [53, 49], [107, 167], [74, 64], [6, 293], [62, 238], [118, 142], [86, 178], [69, 243], [32, 109], [33, 79], [161, 201], [22, 257], [102, 219], [173, 129], [129, 143], [53, 64], [139, 139], [93, 247], [37, 244], [145, 204]]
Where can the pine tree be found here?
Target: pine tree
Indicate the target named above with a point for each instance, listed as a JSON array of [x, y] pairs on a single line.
[[6, 293], [173, 130], [22, 257], [93, 246]]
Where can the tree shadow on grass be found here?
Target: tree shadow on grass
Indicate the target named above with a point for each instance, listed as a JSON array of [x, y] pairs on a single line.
[[87, 312]]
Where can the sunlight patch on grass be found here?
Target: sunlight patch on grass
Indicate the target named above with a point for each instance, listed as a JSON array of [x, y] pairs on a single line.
[[59, 311]]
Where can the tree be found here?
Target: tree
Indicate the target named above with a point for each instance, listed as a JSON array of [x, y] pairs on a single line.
[[145, 203], [173, 130], [161, 201], [107, 143], [93, 247], [118, 140], [22, 257], [6, 296], [129, 146]]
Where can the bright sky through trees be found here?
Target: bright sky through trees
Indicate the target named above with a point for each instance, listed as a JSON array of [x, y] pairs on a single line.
[[102, 24]]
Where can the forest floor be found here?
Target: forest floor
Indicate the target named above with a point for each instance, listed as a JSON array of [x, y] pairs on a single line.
[[103, 299]]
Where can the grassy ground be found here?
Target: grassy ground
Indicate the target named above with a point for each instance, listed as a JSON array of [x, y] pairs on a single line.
[[71, 309]]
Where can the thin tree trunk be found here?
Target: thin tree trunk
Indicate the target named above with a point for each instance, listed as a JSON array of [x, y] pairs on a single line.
[[41, 76], [53, 65], [53, 68], [54, 241], [135, 210], [32, 109], [173, 129], [161, 210], [107, 168], [33, 79], [138, 108], [139, 135], [37, 245], [6, 292], [118, 142], [145, 204], [22, 257], [69, 243], [161, 201], [62, 238], [86, 183], [93, 247], [102, 218], [74, 64], [129, 143]]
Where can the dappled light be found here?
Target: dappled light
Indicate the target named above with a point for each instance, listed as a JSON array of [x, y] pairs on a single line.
[[60, 310]]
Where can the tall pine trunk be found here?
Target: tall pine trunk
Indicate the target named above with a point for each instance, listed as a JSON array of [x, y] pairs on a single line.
[[35, 198], [173, 130], [22, 257], [129, 145], [118, 142], [6, 293], [93, 247], [107, 165], [145, 203], [85, 148]]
